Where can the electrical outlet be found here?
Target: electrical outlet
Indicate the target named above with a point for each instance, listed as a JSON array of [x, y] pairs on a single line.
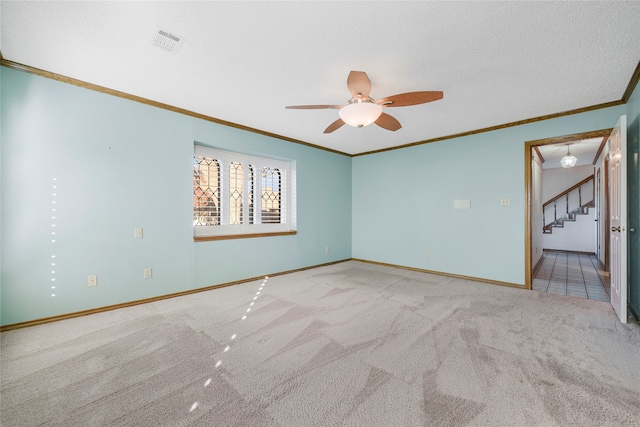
[[92, 281], [427, 254], [137, 233], [505, 202], [147, 273], [326, 249]]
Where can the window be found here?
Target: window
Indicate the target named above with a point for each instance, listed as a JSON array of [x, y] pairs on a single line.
[[237, 195]]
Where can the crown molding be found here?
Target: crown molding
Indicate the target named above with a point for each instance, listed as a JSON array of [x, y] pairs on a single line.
[[69, 80], [498, 127], [635, 78], [108, 91]]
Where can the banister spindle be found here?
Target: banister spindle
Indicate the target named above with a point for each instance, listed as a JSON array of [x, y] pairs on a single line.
[[580, 196]]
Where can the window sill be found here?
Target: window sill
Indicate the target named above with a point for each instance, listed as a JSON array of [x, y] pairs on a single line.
[[243, 236]]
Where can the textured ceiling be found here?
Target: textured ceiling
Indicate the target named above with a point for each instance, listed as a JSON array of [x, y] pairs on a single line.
[[243, 62]]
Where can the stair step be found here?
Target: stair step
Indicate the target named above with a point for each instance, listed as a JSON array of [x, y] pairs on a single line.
[[582, 209], [571, 217]]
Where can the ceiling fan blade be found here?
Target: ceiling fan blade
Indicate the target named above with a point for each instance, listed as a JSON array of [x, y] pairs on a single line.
[[388, 122], [312, 107], [410, 98], [359, 84], [333, 126]]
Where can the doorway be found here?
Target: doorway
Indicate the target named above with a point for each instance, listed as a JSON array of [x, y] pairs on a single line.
[[533, 254]]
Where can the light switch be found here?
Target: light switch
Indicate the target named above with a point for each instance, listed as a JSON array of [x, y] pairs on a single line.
[[138, 233], [462, 204]]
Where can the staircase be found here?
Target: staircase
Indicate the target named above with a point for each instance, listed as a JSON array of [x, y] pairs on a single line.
[[570, 205]]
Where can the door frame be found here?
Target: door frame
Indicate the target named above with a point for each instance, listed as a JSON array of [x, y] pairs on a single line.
[[607, 220], [528, 147], [602, 212], [598, 207]]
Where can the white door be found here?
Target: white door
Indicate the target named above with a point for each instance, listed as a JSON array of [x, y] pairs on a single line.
[[618, 217]]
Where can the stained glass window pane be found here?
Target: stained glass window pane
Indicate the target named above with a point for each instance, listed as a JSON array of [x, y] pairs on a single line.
[[271, 196], [206, 191], [236, 184]]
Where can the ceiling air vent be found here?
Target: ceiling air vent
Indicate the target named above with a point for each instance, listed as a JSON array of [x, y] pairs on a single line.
[[167, 40]]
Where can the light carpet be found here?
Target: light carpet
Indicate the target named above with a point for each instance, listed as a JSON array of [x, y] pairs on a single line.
[[350, 344]]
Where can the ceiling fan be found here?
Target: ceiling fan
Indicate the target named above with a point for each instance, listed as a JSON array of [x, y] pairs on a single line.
[[362, 110]]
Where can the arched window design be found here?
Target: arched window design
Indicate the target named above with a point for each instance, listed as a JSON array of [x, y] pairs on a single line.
[[236, 194]]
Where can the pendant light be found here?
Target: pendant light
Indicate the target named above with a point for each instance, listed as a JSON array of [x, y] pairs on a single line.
[[569, 160]]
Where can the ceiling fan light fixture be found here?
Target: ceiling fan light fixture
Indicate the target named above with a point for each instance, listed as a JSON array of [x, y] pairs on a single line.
[[362, 110], [569, 160], [360, 113]]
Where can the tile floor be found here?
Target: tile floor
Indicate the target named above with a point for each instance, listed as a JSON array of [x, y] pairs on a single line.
[[574, 274]]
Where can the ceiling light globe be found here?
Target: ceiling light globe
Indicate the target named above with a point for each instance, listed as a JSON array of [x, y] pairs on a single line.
[[360, 114], [568, 161]]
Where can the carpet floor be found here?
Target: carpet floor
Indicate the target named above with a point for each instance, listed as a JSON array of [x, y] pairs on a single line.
[[351, 344]]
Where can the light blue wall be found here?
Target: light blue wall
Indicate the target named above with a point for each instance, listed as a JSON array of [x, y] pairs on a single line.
[[403, 200], [119, 165]]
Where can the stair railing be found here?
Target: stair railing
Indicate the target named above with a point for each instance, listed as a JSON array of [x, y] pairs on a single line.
[[569, 212]]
